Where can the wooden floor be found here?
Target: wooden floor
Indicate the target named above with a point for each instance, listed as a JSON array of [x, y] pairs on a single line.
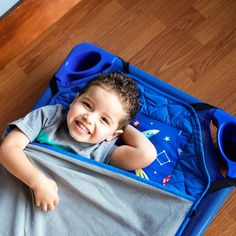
[[190, 44]]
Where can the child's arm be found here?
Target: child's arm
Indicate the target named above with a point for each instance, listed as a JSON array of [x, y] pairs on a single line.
[[13, 158], [138, 152]]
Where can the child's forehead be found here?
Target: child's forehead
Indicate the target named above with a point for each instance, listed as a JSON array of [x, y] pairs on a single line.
[[100, 93]]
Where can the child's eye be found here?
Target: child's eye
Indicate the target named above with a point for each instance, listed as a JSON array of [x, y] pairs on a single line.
[[105, 121], [87, 105]]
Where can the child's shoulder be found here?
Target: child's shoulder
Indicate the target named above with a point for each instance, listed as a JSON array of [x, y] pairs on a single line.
[[52, 106], [56, 108], [51, 113]]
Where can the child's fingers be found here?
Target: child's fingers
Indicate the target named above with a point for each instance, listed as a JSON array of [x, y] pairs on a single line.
[[50, 207], [47, 207], [37, 203], [56, 202], [47, 200], [44, 206]]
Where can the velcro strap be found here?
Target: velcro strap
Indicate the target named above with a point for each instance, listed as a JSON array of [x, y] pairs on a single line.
[[224, 183]]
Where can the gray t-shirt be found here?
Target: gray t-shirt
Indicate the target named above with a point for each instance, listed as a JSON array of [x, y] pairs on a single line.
[[48, 125]]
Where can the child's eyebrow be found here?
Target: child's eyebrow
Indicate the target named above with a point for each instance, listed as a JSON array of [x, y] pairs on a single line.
[[88, 99]]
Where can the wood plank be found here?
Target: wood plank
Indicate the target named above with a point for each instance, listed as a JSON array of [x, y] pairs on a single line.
[[27, 22], [220, 19]]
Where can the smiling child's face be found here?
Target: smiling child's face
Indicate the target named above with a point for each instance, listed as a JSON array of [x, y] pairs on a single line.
[[94, 116]]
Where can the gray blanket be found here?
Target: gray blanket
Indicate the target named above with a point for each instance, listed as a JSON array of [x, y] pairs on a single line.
[[93, 201]]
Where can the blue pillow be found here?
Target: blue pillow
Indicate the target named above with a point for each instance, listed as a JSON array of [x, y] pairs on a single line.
[[169, 143]]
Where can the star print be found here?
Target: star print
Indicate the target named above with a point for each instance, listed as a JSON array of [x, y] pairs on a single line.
[[136, 123], [167, 139]]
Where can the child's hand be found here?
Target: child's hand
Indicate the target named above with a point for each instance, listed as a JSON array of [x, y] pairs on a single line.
[[13, 158], [45, 192]]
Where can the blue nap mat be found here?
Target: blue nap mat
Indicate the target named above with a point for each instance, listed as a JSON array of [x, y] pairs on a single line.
[[172, 126]]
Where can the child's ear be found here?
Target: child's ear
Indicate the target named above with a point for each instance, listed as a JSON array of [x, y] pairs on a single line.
[[115, 134]]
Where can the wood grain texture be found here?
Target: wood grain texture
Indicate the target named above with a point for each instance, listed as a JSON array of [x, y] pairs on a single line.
[[190, 44]]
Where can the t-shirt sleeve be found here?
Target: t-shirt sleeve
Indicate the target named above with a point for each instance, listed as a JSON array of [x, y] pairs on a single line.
[[109, 153], [103, 152], [38, 119]]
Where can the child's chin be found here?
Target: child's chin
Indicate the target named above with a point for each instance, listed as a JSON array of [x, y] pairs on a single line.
[[81, 139], [84, 139]]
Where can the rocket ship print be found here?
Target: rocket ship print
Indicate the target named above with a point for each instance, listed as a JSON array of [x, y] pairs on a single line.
[[151, 132], [166, 180], [141, 173]]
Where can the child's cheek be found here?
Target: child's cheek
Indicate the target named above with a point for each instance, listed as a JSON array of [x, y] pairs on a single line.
[[77, 110], [98, 132]]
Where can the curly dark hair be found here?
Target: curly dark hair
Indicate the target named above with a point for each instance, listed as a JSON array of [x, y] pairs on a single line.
[[124, 87]]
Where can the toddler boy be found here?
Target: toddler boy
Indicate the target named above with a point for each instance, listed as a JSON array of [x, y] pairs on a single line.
[[98, 115]]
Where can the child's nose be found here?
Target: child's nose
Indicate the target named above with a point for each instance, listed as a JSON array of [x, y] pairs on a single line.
[[89, 118]]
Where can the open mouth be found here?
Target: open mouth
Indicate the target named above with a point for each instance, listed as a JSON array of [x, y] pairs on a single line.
[[82, 128]]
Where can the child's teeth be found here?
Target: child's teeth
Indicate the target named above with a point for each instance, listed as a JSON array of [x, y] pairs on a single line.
[[82, 127]]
